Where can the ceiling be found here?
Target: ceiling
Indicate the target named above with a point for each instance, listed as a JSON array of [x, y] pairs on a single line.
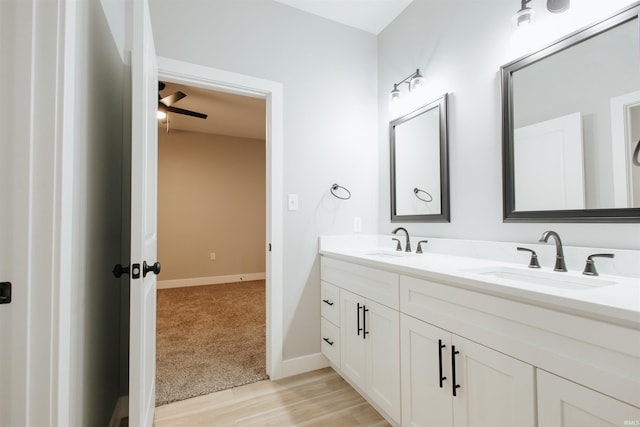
[[243, 116], [228, 114], [372, 16]]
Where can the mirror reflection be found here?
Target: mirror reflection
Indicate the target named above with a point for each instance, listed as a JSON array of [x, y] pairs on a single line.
[[419, 178], [572, 123]]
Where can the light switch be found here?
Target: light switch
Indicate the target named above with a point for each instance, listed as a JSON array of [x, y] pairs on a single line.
[[293, 202]]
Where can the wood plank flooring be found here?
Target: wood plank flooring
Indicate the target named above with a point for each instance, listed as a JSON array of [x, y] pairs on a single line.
[[318, 398]]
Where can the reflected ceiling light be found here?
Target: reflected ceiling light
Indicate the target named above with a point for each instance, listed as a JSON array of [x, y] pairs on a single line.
[[524, 16], [558, 6], [414, 81]]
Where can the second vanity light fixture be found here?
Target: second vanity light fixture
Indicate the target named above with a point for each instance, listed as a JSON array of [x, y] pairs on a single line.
[[525, 15], [414, 81]]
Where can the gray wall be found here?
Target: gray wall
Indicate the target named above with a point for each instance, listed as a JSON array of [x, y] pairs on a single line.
[[459, 46], [328, 72], [97, 202]]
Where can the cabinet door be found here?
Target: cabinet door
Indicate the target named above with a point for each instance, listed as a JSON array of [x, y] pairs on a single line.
[[495, 390], [353, 347], [426, 400], [562, 403], [382, 330]]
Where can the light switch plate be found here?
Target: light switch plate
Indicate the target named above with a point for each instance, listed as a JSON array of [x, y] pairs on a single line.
[[293, 202]]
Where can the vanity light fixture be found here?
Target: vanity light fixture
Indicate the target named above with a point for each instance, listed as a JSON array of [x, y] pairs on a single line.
[[524, 16], [414, 81], [558, 6]]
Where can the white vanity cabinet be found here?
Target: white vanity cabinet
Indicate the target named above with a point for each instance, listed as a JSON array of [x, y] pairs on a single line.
[[448, 381], [369, 331], [562, 403], [519, 362]]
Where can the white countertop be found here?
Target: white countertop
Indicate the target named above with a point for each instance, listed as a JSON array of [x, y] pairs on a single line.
[[617, 301]]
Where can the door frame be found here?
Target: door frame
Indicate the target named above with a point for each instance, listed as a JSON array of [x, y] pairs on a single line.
[[225, 81]]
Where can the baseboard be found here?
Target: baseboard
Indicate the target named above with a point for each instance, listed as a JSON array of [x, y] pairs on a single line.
[[120, 411], [213, 280], [303, 364]]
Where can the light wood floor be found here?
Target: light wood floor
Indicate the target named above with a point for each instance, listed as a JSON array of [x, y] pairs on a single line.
[[319, 398]]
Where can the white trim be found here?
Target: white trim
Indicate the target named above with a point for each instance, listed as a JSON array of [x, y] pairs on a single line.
[[120, 411], [211, 280], [215, 79], [620, 134], [303, 364]]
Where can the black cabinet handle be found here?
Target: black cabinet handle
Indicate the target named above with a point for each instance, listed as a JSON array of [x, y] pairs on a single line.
[[359, 328], [328, 341], [440, 347], [326, 301], [364, 322], [453, 369]]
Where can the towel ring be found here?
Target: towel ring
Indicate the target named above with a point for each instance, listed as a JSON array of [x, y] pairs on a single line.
[[336, 187], [636, 154], [416, 191]]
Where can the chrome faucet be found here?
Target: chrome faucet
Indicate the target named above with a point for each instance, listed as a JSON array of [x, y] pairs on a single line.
[[407, 245], [560, 265]]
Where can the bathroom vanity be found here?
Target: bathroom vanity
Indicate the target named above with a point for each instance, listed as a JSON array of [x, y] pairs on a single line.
[[435, 339]]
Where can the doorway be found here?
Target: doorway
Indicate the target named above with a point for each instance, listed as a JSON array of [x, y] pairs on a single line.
[[212, 242], [208, 78]]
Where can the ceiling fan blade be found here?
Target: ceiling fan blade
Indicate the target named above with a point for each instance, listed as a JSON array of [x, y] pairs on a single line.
[[186, 112], [173, 98]]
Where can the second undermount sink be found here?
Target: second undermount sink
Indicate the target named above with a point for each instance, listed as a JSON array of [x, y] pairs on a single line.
[[544, 278]]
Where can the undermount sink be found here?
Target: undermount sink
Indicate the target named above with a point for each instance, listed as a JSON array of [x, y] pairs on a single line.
[[543, 278], [389, 254]]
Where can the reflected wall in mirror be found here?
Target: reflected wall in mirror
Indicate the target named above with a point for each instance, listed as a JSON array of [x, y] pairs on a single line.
[[571, 122], [419, 165]]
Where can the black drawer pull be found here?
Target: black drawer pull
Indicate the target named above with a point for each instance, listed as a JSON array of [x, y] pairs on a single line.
[[455, 386], [364, 322], [326, 301], [359, 328], [440, 347], [328, 341]]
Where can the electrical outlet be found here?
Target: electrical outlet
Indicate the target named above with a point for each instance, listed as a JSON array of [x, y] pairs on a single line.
[[212, 256], [357, 224]]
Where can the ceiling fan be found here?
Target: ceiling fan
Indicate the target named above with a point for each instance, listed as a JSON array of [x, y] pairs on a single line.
[[165, 105]]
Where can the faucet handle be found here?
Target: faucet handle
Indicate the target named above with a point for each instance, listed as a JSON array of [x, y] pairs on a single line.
[[533, 261], [419, 250], [590, 267], [398, 247]]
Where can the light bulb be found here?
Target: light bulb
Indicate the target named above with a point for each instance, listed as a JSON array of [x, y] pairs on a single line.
[[161, 115]]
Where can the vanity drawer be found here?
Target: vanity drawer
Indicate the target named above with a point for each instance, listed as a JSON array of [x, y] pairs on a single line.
[[330, 345], [377, 285], [330, 302]]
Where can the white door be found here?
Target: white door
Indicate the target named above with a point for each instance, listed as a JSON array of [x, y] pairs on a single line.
[[548, 165], [562, 403], [382, 328], [495, 390], [426, 374], [144, 163], [353, 347]]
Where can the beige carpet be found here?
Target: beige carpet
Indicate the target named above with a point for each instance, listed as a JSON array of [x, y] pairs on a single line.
[[209, 338]]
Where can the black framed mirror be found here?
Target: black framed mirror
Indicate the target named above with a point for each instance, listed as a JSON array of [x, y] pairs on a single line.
[[571, 122], [420, 165]]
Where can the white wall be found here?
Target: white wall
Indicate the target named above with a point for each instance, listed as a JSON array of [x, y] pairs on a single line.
[[328, 72], [459, 46]]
